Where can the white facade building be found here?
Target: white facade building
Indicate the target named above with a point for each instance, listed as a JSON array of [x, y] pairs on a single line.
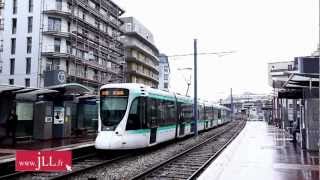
[[78, 37], [164, 72], [141, 53]]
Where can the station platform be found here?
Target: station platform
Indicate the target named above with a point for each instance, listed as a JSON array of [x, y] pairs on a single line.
[[7, 151], [263, 152]]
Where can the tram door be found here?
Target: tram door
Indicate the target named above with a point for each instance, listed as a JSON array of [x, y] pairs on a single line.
[[153, 132], [152, 116], [181, 125]]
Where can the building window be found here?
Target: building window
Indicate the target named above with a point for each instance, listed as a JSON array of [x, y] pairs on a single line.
[[69, 49], [85, 32], [12, 63], [28, 65], [69, 5], [128, 27], [84, 15], [14, 25], [52, 64], [27, 82], [14, 7], [11, 81], [54, 24], [57, 43], [59, 4], [289, 67], [69, 26], [30, 6], [29, 44], [166, 77], [97, 23], [13, 45], [67, 66], [30, 20], [166, 69], [166, 85]]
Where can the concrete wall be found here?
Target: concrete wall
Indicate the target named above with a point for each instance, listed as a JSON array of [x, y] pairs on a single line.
[[312, 123]]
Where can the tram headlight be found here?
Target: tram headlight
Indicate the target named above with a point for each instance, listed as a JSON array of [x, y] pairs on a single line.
[[108, 128]]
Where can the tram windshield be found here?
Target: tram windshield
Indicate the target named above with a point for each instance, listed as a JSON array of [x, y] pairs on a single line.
[[113, 105]]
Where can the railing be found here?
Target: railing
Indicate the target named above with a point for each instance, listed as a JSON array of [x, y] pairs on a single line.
[[62, 8], [143, 61], [153, 77], [130, 42], [283, 69], [54, 49]]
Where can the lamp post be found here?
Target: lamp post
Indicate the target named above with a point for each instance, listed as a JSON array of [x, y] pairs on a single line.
[[195, 104]]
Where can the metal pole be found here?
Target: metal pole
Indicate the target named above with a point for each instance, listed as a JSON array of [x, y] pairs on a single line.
[[231, 104], [195, 109]]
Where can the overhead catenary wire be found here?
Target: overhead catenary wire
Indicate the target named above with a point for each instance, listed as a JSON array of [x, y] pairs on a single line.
[[222, 53]]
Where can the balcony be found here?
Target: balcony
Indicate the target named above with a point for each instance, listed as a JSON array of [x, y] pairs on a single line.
[[58, 10], [96, 79], [56, 31], [138, 45], [130, 58], [153, 78], [55, 51]]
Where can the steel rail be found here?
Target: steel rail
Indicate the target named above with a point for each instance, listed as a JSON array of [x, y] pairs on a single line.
[[151, 170]]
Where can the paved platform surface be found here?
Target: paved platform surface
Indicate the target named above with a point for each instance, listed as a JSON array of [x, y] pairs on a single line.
[[266, 153]]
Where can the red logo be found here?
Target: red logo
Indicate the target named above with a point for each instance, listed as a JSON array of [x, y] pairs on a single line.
[[43, 161]]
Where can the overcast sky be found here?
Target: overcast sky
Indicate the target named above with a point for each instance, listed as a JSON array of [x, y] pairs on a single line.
[[260, 31]]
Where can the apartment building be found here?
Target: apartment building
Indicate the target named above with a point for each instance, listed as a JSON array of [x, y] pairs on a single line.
[[141, 54], [50, 42], [164, 72]]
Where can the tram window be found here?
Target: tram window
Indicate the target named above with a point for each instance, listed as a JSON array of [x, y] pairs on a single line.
[[219, 114], [112, 110], [179, 111], [161, 112], [208, 113], [134, 116], [186, 112], [152, 114], [201, 113], [169, 113], [216, 112]]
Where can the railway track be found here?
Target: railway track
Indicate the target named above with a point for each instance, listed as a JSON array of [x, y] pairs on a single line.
[[91, 160], [190, 163]]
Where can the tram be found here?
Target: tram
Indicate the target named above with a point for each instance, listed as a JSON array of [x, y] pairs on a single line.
[[133, 116]]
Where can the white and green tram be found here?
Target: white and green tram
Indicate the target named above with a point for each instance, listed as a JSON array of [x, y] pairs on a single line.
[[135, 116]]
